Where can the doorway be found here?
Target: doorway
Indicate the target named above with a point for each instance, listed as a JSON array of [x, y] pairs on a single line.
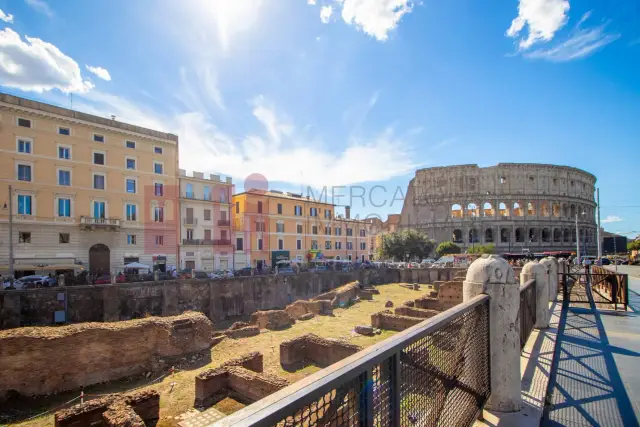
[[99, 259]]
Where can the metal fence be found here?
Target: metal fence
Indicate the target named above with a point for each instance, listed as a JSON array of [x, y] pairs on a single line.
[[434, 373], [527, 311]]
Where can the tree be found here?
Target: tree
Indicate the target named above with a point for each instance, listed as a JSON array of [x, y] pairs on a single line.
[[447, 248], [634, 246], [483, 249], [398, 245]]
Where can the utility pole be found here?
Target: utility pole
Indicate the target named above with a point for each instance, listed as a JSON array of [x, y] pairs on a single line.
[[577, 240], [11, 266], [598, 231]]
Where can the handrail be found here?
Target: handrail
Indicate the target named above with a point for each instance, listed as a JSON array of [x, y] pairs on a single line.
[[527, 284], [273, 408]]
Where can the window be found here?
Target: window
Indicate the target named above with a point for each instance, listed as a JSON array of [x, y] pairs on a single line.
[[131, 212], [314, 229], [131, 185], [314, 244], [189, 233], [25, 123], [327, 213], [207, 192], [159, 240], [259, 225], [157, 150], [131, 239], [327, 230], [64, 177], [239, 244], [313, 212], [24, 204], [237, 207], [363, 233], [98, 182], [190, 265], [157, 168], [223, 195], [280, 227], [98, 158], [189, 191], [24, 237], [299, 244], [158, 189], [207, 234], [64, 208], [363, 246], [131, 144], [158, 214], [64, 238], [349, 231], [280, 244], [349, 246], [64, 153], [24, 173], [327, 244], [297, 210], [338, 245], [259, 244], [98, 138], [259, 207], [299, 228], [207, 214], [279, 208], [131, 164], [338, 231], [64, 131], [24, 146], [99, 210]]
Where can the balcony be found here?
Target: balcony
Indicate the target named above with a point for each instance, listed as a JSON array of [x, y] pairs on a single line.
[[221, 242], [190, 221], [224, 223], [197, 242], [90, 223], [203, 198]]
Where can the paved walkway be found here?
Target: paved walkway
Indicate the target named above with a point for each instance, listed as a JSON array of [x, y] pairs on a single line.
[[595, 380]]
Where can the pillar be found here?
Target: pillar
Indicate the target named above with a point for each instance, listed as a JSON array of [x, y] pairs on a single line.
[[493, 276], [552, 266], [538, 272]]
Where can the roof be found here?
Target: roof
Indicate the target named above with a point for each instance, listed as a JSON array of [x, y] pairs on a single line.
[[283, 195]]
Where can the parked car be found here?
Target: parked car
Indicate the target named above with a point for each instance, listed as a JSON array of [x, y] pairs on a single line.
[[199, 274], [246, 271], [606, 261], [103, 280], [33, 281]]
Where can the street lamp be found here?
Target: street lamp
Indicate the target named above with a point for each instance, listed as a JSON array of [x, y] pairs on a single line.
[[10, 208]]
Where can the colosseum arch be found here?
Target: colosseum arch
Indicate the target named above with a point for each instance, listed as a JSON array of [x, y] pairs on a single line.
[[566, 235], [473, 236], [457, 235], [532, 236], [546, 235], [488, 235], [519, 234], [473, 210], [456, 211], [504, 210], [505, 235], [517, 210], [487, 209], [555, 209], [557, 235], [573, 211], [573, 235], [565, 211], [544, 209], [531, 209]]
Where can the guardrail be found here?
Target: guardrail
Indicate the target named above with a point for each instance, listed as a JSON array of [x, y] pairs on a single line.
[[611, 284], [434, 373], [527, 311]]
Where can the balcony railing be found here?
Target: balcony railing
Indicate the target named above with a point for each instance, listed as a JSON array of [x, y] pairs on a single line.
[[527, 310], [190, 221], [224, 222], [221, 242], [203, 242], [194, 196], [99, 223], [434, 373]]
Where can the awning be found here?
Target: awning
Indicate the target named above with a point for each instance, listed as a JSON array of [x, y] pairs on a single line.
[[137, 265]]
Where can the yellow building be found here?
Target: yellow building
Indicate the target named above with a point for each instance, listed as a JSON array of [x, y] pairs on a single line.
[[272, 225], [84, 189]]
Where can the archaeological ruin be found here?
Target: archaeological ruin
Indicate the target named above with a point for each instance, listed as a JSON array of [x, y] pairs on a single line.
[[312, 349]]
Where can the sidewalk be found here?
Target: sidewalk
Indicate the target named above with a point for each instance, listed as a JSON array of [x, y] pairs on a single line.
[[595, 379]]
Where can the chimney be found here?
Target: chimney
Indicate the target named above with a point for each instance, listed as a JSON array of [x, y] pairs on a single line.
[[347, 212]]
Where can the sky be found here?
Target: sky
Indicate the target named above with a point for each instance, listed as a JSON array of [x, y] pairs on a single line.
[[349, 95]]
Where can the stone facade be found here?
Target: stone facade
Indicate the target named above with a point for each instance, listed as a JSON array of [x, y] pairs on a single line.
[[514, 206], [311, 348], [393, 322]]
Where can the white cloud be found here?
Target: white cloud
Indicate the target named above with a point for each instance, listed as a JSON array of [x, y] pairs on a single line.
[[543, 18], [311, 2], [375, 17], [581, 43], [610, 219], [8, 18], [40, 6], [37, 66], [100, 72], [325, 14]]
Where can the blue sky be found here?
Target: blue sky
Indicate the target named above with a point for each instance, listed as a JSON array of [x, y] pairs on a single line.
[[350, 92]]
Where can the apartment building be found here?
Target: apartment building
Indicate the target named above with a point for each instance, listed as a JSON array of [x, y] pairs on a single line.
[[84, 190], [205, 226], [273, 225]]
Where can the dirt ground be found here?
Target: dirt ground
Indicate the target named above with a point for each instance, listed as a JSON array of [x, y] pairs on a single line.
[[178, 391]]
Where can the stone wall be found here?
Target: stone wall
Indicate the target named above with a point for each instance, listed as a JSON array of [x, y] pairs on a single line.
[[43, 360], [415, 312], [311, 348], [393, 322]]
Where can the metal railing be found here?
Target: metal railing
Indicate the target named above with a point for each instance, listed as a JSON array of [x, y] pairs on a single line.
[[221, 242], [206, 242], [527, 312], [110, 222], [609, 287], [224, 222], [434, 373], [190, 221]]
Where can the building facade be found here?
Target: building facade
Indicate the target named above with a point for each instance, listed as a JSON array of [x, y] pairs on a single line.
[[516, 207], [205, 224], [272, 226], [84, 190]]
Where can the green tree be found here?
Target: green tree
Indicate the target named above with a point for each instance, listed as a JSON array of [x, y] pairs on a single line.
[[397, 245], [483, 249], [447, 248], [633, 246]]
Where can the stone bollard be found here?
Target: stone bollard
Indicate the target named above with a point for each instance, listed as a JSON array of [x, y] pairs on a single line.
[[552, 266], [539, 272], [492, 275]]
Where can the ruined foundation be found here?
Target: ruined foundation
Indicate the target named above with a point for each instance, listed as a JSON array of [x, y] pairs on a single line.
[[44, 360], [312, 349], [300, 308], [393, 322], [415, 312], [272, 319]]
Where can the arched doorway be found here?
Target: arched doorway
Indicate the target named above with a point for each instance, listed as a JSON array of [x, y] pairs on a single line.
[[99, 259]]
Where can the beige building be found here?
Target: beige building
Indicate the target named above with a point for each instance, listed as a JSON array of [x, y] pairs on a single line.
[[85, 189], [205, 226]]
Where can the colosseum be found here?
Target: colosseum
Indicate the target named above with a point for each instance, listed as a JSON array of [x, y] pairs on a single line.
[[518, 207]]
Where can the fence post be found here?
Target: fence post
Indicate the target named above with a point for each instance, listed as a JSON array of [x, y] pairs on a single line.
[[492, 275], [538, 272], [552, 266]]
